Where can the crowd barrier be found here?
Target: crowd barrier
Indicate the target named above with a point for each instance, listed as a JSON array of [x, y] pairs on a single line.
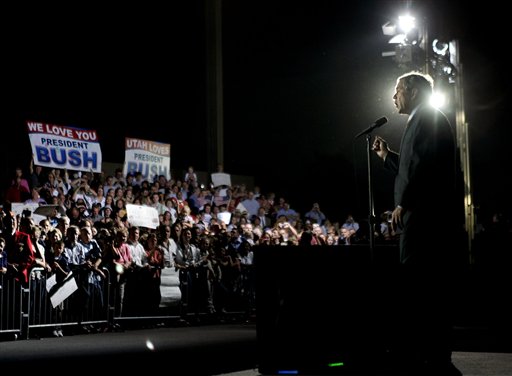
[[87, 305], [11, 314], [27, 311]]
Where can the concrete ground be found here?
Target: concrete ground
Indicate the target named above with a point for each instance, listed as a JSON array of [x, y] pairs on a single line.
[[469, 363], [226, 349]]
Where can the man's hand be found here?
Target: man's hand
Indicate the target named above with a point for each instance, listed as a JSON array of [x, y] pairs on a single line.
[[380, 146], [396, 218]]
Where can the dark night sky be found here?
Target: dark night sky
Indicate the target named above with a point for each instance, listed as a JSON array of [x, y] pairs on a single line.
[[300, 81]]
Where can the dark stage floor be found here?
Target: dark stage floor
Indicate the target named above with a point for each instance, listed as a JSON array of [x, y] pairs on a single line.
[[209, 350]]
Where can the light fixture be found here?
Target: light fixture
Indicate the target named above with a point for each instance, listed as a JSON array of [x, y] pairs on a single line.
[[440, 48]]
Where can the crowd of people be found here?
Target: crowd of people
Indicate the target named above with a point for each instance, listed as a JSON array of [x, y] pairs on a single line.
[[205, 233]]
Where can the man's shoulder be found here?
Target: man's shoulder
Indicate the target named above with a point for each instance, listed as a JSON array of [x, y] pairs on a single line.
[[429, 118], [428, 111]]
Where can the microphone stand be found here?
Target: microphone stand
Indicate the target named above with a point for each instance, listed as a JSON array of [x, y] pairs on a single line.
[[371, 208], [371, 215]]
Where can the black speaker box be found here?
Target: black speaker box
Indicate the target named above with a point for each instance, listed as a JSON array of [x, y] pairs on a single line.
[[325, 309]]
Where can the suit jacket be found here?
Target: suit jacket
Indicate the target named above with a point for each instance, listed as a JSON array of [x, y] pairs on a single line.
[[426, 165], [267, 223], [425, 187]]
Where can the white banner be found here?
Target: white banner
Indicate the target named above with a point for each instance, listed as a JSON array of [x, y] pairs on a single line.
[[142, 216], [150, 158], [220, 178], [59, 292], [224, 217], [19, 207], [58, 146]]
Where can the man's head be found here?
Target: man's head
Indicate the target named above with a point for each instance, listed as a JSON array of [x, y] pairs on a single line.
[[411, 90]]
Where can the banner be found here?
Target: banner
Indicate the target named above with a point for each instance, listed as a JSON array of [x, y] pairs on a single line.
[[220, 178], [60, 291], [142, 216], [19, 208], [58, 146], [150, 158]]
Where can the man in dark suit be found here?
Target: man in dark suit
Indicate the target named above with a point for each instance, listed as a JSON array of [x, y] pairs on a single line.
[[425, 212]]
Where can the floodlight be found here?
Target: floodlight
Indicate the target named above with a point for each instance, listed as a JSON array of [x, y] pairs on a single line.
[[438, 99], [406, 23], [389, 28], [440, 48]]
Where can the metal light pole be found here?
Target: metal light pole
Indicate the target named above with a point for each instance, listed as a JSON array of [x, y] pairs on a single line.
[[215, 99], [463, 145]]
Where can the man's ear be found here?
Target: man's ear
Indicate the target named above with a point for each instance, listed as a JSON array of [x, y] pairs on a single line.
[[414, 94]]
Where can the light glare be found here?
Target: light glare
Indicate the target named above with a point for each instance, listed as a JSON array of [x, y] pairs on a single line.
[[438, 100], [406, 23]]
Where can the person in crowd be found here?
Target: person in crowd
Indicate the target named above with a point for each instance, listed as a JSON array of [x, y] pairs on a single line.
[[119, 260], [35, 198], [315, 214], [37, 177], [19, 248], [17, 192], [137, 279], [191, 177], [60, 267], [351, 225], [3, 257], [23, 182], [156, 262], [187, 260]]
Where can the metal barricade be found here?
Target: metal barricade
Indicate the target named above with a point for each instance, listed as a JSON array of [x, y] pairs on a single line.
[[88, 304], [11, 293]]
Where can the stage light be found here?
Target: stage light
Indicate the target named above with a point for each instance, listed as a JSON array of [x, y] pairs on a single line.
[[407, 32], [398, 39], [438, 99], [406, 23], [389, 29], [448, 70], [407, 39], [440, 48]]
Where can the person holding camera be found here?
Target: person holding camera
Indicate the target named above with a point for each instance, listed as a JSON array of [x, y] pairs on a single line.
[[315, 214]]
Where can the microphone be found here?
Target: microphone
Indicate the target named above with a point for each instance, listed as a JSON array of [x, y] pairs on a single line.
[[379, 122]]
